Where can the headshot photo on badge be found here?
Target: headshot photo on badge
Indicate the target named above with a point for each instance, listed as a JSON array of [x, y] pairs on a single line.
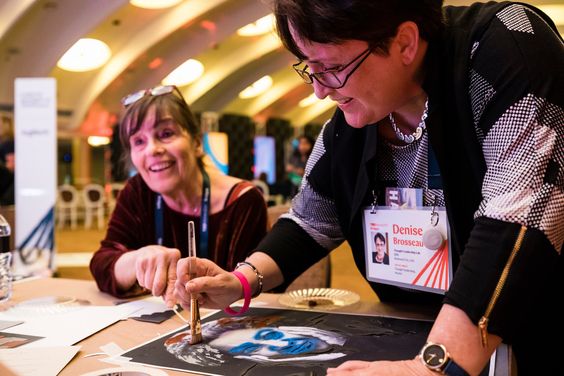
[[380, 254]]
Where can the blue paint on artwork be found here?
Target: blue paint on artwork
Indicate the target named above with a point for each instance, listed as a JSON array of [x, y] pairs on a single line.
[[246, 348], [293, 346], [296, 346], [268, 334]]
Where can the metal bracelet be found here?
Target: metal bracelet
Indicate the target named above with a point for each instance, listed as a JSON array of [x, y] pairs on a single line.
[[258, 274]]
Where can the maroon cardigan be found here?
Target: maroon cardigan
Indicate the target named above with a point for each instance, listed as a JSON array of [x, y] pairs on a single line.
[[234, 232]]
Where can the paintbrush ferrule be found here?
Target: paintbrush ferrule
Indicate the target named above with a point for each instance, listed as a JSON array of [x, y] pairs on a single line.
[[195, 322]]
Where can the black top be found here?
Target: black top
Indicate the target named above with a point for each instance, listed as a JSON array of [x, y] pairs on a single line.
[[496, 123], [233, 232]]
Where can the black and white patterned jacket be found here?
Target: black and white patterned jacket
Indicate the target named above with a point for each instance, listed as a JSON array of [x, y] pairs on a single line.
[[496, 122]]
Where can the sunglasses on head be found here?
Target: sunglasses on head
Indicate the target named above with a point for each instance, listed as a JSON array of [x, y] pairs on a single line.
[[156, 91]]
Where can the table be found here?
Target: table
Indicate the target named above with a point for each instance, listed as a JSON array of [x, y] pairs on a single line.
[[130, 333]]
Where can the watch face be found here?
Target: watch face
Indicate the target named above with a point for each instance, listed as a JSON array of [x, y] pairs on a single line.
[[434, 356]]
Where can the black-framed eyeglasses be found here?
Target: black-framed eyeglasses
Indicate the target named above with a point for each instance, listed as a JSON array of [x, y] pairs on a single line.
[[155, 91], [330, 77]]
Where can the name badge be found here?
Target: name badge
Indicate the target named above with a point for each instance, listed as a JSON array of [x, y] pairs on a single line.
[[408, 247]]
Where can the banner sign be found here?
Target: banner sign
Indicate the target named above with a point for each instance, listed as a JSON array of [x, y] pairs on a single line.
[[35, 113]]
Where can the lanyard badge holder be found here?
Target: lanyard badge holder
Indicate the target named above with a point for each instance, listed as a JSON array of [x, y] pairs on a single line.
[[432, 237], [407, 244]]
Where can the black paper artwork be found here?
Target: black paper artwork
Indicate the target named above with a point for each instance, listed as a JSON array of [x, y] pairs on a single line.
[[11, 340], [283, 342]]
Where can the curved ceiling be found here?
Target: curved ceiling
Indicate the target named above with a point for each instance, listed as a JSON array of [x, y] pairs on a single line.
[[147, 45]]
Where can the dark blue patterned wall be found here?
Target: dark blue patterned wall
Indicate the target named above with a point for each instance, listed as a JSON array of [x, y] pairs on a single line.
[[240, 131]]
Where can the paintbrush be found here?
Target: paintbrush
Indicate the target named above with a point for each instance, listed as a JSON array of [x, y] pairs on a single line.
[[195, 322]]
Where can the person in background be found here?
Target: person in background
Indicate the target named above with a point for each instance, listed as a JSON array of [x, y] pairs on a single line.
[[296, 165], [482, 85], [7, 171], [148, 230]]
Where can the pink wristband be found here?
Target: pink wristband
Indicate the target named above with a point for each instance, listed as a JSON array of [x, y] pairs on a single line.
[[246, 295]]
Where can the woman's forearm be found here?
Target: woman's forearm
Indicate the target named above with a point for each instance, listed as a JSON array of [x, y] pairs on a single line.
[[124, 270], [461, 337], [272, 275]]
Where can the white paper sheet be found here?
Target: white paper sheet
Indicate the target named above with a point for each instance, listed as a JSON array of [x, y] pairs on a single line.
[[147, 306], [8, 324], [44, 361], [68, 328]]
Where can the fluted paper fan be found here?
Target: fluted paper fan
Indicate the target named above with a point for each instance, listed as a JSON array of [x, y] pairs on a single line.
[[319, 298]]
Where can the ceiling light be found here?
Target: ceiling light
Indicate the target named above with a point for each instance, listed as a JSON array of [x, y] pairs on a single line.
[[312, 99], [155, 63], [86, 54], [154, 4], [98, 140], [185, 74], [258, 87], [261, 26], [309, 100], [554, 11]]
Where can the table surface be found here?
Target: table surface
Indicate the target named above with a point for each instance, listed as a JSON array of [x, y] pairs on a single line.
[[130, 333]]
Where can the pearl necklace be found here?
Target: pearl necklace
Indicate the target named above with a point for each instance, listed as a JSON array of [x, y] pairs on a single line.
[[409, 138]]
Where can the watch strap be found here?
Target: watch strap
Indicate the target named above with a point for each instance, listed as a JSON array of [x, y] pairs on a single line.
[[453, 369], [446, 366]]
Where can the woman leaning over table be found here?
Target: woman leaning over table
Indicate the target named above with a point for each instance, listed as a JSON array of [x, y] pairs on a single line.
[[147, 232], [483, 85]]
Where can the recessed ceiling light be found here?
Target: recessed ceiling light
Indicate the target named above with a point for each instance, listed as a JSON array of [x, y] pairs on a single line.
[[554, 11], [258, 87], [154, 4], [185, 74], [98, 140], [86, 54], [261, 26]]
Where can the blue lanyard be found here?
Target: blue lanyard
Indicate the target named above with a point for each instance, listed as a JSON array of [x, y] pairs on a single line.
[[434, 180], [204, 217]]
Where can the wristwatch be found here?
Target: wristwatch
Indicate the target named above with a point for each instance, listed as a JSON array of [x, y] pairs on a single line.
[[436, 357]]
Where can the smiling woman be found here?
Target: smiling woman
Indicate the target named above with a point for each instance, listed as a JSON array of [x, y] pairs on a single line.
[[147, 233]]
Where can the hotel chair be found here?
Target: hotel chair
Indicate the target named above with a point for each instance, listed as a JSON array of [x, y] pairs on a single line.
[[67, 205], [94, 199], [263, 187]]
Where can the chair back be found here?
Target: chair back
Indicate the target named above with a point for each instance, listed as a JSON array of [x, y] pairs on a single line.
[[263, 187], [319, 274], [67, 196], [93, 195]]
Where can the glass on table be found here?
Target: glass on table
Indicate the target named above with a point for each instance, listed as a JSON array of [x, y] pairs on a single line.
[[5, 261]]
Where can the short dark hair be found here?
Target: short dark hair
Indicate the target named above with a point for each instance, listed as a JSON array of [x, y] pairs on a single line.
[[308, 138], [379, 236], [172, 104], [311, 142], [335, 21]]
